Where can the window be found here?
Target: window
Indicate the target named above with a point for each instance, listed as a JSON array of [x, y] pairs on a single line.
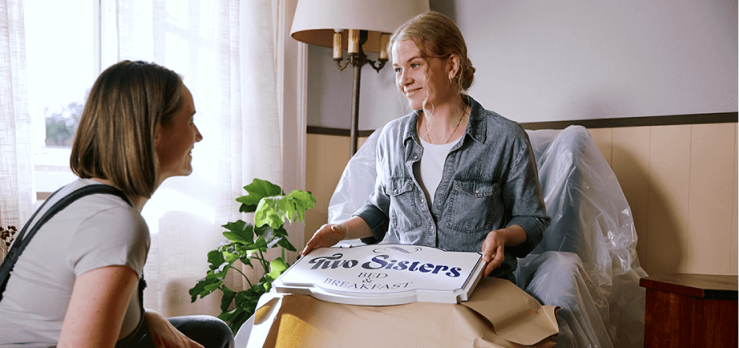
[[62, 64]]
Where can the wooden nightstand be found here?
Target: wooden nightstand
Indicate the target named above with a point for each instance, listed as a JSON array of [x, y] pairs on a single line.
[[690, 310]]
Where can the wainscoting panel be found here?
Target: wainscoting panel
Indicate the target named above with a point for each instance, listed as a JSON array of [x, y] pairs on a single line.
[[630, 163], [669, 192], [603, 139], [326, 157], [710, 201], [734, 202]]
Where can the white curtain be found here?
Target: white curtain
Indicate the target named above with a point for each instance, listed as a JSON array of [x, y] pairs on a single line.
[[225, 52], [16, 170]]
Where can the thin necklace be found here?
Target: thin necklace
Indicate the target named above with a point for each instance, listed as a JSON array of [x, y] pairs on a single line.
[[464, 113]]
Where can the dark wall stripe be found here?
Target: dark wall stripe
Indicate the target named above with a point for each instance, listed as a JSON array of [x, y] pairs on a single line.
[[719, 117], [336, 131]]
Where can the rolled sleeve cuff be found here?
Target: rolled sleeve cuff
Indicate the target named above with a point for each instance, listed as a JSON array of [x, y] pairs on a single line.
[[534, 228], [376, 220]]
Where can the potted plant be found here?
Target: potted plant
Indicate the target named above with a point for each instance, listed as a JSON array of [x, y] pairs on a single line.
[[248, 243]]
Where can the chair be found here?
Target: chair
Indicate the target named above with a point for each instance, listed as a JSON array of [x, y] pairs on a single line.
[[586, 262]]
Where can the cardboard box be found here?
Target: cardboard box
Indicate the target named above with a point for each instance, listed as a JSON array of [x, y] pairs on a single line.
[[498, 314], [383, 275]]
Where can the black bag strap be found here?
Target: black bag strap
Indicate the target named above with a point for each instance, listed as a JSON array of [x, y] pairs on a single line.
[[21, 241]]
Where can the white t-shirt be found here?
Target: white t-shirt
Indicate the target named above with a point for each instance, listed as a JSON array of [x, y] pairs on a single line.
[[95, 231], [432, 166]]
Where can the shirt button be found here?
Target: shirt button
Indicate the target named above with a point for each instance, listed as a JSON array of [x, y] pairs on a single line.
[[422, 201], [477, 191]]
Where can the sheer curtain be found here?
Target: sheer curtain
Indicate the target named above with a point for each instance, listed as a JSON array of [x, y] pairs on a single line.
[[225, 52], [16, 170]]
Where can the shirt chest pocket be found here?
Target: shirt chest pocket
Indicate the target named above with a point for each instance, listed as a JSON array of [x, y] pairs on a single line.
[[403, 212], [471, 206]]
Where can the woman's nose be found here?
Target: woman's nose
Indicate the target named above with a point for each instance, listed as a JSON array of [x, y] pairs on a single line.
[[404, 79], [198, 136]]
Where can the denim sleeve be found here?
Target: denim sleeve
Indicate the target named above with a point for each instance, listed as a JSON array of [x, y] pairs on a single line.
[[375, 211], [522, 193]]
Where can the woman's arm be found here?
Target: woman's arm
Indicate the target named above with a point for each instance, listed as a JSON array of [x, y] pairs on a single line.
[[98, 305], [329, 235]]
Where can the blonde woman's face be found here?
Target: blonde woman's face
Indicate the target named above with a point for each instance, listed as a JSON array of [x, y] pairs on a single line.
[[175, 141], [420, 79]]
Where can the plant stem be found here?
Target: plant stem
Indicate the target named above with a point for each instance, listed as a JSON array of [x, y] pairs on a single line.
[[242, 273], [263, 261]]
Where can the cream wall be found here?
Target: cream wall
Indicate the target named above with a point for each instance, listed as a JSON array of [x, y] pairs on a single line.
[[680, 181], [564, 60]]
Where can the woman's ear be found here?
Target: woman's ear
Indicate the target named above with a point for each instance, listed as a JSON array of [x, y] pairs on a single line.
[[453, 64]]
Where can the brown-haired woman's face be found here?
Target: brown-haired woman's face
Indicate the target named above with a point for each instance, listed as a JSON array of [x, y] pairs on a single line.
[[174, 142], [418, 77]]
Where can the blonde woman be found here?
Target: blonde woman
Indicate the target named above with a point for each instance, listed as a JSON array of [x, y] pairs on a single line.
[[78, 283], [451, 174]]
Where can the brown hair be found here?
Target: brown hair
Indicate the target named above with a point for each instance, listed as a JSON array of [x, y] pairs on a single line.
[[436, 35], [115, 136]]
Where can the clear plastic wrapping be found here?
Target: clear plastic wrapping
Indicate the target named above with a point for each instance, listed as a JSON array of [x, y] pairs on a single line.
[[586, 263]]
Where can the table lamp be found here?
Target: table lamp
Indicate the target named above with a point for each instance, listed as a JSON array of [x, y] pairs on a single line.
[[357, 26]]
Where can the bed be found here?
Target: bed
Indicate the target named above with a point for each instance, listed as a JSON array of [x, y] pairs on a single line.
[[586, 263]]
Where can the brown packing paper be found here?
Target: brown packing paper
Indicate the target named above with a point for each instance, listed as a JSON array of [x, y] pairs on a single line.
[[498, 314]]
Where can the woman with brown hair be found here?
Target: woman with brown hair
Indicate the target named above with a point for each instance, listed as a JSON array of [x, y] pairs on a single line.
[[79, 281], [451, 174]]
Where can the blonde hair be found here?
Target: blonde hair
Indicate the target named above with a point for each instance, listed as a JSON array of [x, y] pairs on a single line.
[[436, 35], [115, 136]]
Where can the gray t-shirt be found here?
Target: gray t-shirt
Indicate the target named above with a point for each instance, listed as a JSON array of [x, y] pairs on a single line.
[[95, 231]]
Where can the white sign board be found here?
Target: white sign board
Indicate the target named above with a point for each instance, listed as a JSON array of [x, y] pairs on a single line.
[[383, 274]]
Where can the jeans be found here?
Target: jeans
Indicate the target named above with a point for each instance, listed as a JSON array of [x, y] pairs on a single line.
[[209, 331]]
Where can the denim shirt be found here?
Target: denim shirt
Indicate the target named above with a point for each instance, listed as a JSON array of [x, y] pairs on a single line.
[[489, 182]]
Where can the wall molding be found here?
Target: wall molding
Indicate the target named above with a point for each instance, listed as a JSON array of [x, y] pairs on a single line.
[[646, 121], [619, 122], [337, 131]]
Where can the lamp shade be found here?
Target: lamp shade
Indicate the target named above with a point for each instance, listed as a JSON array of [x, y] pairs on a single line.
[[316, 20]]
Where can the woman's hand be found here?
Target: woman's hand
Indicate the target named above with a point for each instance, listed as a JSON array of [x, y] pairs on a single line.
[[495, 243], [326, 236], [164, 334], [492, 251]]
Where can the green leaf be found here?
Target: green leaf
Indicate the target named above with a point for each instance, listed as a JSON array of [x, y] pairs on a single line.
[[303, 201], [216, 259], [228, 296], [230, 315], [274, 236], [262, 230], [257, 190], [259, 244], [240, 319], [239, 232], [231, 257], [273, 211], [205, 287], [223, 268], [247, 261], [283, 242], [276, 267]]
